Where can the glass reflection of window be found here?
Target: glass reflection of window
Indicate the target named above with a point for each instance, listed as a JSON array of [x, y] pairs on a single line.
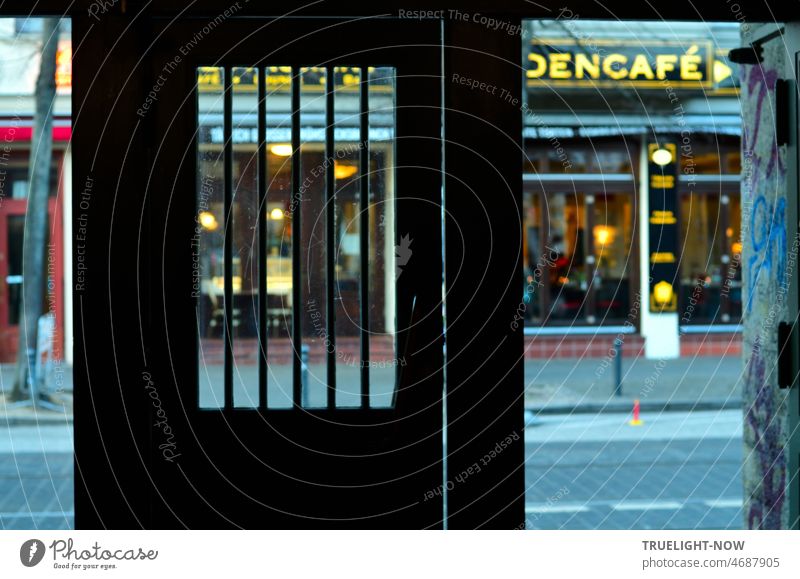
[[612, 236], [701, 267], [573, 156], [732, 284], [579, 258], [566, 246], [535, 266]]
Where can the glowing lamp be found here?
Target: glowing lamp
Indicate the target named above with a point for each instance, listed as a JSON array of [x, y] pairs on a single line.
[[281, 150], [343, 171], [663, 294], [207, 220], [661, 156], [603, 235]]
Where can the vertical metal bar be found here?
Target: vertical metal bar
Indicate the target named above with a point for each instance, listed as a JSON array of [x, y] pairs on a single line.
[[590, 264], [618, 366], [295, 209], [725, 296], [544, 243], [228, 244], [262, 237], [364, 234], [330, 239]]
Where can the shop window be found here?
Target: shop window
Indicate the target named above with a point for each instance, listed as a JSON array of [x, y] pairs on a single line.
[[614, 253], [710, 272], [561, 156], [711, 155], [535, 261], [580, 258], [567, 249]]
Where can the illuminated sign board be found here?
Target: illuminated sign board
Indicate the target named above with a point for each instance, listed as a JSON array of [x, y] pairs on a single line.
[[606, 64]]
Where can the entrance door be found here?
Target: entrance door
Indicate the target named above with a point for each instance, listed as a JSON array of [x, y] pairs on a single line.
[[293, 258], [12, 229]]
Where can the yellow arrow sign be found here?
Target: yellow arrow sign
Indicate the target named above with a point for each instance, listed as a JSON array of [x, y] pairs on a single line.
[[721, 71]]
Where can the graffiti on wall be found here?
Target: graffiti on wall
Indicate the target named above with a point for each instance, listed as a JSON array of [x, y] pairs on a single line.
[[764, 236], [764, 429], [768, 244]]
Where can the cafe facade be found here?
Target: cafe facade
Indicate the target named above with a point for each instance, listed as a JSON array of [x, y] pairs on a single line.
[[631, 190]]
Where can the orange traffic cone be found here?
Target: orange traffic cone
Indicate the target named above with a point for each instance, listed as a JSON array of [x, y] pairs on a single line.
[[636, 420]]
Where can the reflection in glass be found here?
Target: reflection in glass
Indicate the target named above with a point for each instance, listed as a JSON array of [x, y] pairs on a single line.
[[245, 265], [535, 258], [567, 246], [732, 281], [208, 282], [386, 249], [313, 165], [612, 241], [279, 237], [347, 239], [701, 268]]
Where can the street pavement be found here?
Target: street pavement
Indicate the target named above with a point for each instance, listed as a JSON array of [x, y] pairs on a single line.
[[679, 470]]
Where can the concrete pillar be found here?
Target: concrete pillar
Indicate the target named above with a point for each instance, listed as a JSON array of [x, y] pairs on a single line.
[[768, 258]]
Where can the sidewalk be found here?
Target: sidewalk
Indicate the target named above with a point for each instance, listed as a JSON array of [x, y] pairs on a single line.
[[26, 416], [552, 386], [565, 386]]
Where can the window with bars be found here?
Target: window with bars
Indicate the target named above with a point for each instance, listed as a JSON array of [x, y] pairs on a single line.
[[295, 246]]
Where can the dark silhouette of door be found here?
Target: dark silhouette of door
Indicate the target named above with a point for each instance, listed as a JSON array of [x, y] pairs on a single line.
[[293, 267]]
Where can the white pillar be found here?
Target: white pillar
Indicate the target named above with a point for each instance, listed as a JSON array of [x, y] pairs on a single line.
[[660, 331]]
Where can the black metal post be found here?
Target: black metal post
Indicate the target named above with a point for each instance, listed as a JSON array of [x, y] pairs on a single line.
[[617, 366]]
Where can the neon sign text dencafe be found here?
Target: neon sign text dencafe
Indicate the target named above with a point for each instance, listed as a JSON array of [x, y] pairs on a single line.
[[568, 64]]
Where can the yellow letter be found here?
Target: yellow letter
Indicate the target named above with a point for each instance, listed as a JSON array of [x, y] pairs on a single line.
[[689, 64], [582, 64], [641, 66], [664, 64], [610, 72], [541, 65], [558, 65]]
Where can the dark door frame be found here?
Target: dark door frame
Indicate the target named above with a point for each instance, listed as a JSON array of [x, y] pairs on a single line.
[[483, 200], [296, 467]]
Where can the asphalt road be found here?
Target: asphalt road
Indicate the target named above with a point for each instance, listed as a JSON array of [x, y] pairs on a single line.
[[677, 471]]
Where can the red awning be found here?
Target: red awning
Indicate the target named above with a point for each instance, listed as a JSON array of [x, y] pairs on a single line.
[[11, 134]]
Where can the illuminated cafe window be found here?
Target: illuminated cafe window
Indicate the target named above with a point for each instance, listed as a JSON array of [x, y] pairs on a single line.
[[580, 261], [580, 256], [710, 268]]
